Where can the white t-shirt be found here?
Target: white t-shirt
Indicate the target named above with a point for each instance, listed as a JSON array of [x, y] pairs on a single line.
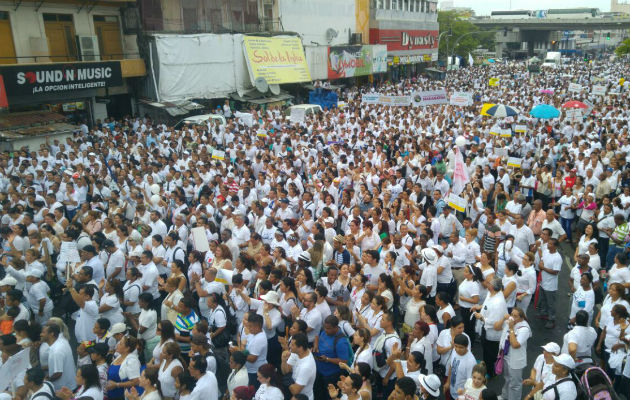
[[566, 391], [313, 319], [85, 322], [584, 337], [553, 262], [618, 275], [460, 368], [468, 288], [266, 392], [148, 319], [257, 345], [304, 373], [60, 359]]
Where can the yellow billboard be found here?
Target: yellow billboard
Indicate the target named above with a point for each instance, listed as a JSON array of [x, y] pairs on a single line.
[[278, 59]]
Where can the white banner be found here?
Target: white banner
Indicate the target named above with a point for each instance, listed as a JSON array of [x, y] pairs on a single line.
[[574, 115], [429, 97], [386, 100], [245, 118], [371, 98], [297, 115], [461, 99], [574, 87], [598, 90], [520, 128]]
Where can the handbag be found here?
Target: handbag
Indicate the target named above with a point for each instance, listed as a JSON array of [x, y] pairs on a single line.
[[499, 363]]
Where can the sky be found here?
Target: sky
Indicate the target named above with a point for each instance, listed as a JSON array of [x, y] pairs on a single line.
[[484, 7]]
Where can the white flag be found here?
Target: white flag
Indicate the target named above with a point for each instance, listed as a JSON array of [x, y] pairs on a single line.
[[470, 60], [460, 174]]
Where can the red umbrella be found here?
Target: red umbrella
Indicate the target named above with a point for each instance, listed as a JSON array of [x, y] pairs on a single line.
[[574, 104]]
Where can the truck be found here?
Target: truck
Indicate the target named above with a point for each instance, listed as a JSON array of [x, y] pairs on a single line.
[[552, 59]]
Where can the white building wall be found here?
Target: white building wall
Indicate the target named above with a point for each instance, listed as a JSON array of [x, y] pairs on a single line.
[[29, 34], [312, 18]]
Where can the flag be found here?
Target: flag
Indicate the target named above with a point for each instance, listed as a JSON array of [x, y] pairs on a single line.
[[460, 174], [470, 60]]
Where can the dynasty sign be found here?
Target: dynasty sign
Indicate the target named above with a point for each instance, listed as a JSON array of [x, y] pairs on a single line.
[[24, 80]]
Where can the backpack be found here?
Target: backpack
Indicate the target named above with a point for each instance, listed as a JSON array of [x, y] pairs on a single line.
[[223, 339], [341, 336], [380, 355]]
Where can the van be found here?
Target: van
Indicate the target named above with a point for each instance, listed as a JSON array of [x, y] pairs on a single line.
[[201, 120], [309, 109], [552, 59]]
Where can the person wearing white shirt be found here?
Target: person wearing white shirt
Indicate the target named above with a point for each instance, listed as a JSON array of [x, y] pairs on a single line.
[[516, 333], [523, 235], [88, 311], [550, 265], [551, 223], [61, 366], [579, 341], [206, 387], [301, 363], [491, 313], [563, 388]]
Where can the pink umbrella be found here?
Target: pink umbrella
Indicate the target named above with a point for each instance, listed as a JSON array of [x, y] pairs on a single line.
[[546, 91]]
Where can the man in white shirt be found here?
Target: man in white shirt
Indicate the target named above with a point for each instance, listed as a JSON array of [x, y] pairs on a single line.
[[550, 222], [150, 275], [88, 311], [61, 366], [550, 265], [301, 363], [256, 347], [309, 314], [523, 235], [206, 387]]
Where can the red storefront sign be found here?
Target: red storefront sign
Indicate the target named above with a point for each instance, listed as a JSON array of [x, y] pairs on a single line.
[[407, 39], [4, 103]]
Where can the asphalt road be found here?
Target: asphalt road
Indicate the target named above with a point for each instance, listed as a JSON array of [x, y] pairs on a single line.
[[540, 335]]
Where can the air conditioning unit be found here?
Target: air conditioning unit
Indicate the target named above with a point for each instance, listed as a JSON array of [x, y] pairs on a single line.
[[356, 38], [88, 48]]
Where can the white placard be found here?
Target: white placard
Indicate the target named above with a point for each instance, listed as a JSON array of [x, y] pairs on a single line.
[[297, 115], [520, 128], [13, 367], [68, 252], [598, 90], [200, 240], [245, 118], [501, 151], [574, 114], [574, 87], [218, 155], [224, 276], [514, 162], [461, 99], [456, 202]]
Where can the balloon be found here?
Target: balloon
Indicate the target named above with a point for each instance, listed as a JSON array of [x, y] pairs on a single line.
[[460, 141], [75, 175], [155, 199], [155, 188]]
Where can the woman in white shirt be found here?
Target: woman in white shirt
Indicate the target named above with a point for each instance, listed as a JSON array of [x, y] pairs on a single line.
[[147, 325], [170, 367], [620, 273], [269, 384], [422, 343], [445, 310], [509, 281], [526, 282], [586, 239], [150, 383], [89, 384], [109, 305], [468, 296], [363, 354], [131, 292], [615, 295], [583, 298], [491, 313], [169, 305]]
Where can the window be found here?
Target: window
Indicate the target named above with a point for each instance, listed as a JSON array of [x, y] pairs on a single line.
[[61, 37], [7, 50], [107, 30]]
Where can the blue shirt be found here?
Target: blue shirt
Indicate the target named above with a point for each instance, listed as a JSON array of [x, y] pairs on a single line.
[[327, 348]]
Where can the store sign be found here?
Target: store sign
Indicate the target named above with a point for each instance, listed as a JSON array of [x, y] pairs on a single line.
[[349, 61], [399, 40], [4, 102], [33, 79], [278, 59]]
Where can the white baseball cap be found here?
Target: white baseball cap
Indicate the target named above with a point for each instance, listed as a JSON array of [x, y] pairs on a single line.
[[565, 360], [552, 348]]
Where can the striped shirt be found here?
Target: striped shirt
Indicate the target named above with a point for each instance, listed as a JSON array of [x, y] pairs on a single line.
[[184, 325]]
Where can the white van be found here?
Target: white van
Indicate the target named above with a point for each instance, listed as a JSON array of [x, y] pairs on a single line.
[[197, 120]]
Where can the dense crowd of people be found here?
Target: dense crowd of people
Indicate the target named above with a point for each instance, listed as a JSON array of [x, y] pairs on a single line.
[[324, 259]]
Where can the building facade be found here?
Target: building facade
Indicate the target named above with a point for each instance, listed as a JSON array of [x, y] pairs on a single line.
[[67, 59]]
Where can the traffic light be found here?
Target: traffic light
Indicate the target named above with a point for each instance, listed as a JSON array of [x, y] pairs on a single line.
[[585, 57], [608, 36]]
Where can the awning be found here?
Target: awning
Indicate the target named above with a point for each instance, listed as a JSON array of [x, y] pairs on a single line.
[[252, 98], [175, 108]]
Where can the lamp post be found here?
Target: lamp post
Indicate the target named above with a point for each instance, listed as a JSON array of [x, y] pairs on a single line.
[[440, 39]]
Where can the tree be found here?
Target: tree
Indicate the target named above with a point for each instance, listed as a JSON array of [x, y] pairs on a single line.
[[458, 25], [623, 49]]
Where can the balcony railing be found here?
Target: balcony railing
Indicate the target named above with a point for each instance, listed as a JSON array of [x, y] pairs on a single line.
[[65, 58]]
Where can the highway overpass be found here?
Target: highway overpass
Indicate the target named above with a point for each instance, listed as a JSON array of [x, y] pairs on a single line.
[[559, 24]]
